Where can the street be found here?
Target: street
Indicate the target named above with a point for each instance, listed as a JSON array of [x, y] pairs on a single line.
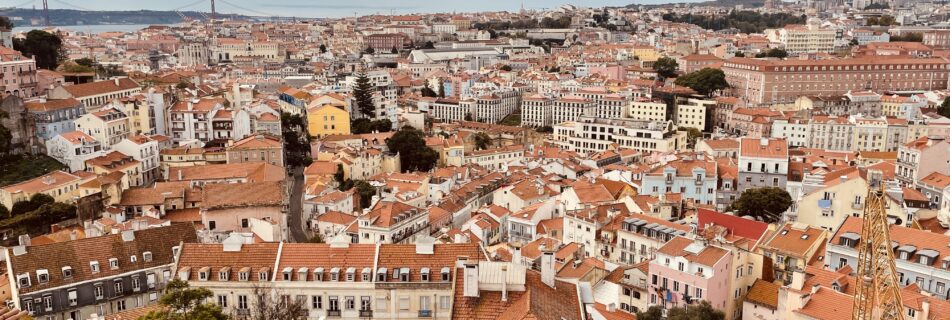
[[295, 218]]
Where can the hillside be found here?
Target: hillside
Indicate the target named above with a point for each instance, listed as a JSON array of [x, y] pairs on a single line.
[[64, 17]]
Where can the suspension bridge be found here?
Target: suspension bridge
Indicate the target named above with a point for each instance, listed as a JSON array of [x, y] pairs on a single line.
[[195, 5]]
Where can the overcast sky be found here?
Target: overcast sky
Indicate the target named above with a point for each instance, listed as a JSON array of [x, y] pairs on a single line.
[[329, 8]]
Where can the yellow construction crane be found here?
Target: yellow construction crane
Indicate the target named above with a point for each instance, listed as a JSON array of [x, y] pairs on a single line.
[[877, 295]]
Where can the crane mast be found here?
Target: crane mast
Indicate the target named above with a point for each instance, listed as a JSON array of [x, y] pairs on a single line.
[[877, 295]]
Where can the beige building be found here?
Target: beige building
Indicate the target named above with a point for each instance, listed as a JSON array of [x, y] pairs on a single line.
[[692, 114], [108, 126], [809, 38], [647, 110], [60, 185], [257, 148]]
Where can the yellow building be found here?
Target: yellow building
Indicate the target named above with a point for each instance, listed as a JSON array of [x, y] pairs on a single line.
[[646, 53], [327, 120]]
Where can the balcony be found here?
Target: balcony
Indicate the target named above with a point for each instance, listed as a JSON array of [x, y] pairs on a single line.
[[333, 313], [366, 313], [242, 312], [857, 205], [425, 313]]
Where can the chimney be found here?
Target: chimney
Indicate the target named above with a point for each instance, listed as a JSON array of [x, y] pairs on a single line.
[[764, 142], [470, 282], [547, 268], [814, 288], [116, 80], [425, 245], [504, 283], [24, 240], [128, 235], [180, 177], [73, 235], [925, 306], [611, 307], [516, 254]]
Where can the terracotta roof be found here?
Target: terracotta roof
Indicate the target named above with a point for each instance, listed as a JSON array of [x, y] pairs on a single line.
[[827, 304], [42, 183], [773, 148], [256, 142], [537, 301], [256, 257], [100, 87], [708, 256], [236, 195], [254, 171], [794, 239], [78, 254], [397, 256], [763, 293], [52, 105], [312, 256]]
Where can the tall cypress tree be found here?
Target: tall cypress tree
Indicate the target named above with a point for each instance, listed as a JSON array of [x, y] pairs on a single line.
[[363, 93]]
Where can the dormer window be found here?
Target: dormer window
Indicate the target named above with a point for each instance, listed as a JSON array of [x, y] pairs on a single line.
[[244, 276], [445, 274], [147, 256], [350, 274], [381, 275], [204, 274], [94, 266], [24, 280], [404, 275], [263, 276], [133, 258], [302, 274], [224, 274], [113, 263], [318, 274], [42, 276], [424, 273], [67, 272], [287, 273], [335, 274], [367, 274]]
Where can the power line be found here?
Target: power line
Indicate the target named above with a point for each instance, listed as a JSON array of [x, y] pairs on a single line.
[[190, 5], [248, 9], [72, 5]]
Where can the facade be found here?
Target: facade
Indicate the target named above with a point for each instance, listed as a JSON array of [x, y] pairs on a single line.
[[536, 111], [145, 150], [762, 163], [693, 114], [591, 134], [108, 126], [571, 108], [695, 179], [791, 248], [19, 74], [73, 148], [328, 120], [647, 110], [771, 81], [921, 157], [918, 257], [809, 38], [257, 148], [60, 185], [685, 271], [53, 117], [191, 120], [103, 275], [393, 222]]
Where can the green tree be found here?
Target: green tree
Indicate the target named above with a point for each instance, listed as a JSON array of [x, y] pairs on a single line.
[[323, 48], [944, 109], [705, 81], [482, 141], [394, 50], [696, 311], [365, 191], [363, 94], [441, 89], [46, 48], [910, 37], [296, 141], [739, 54], [468, 117], [5, 137], [428, 45], [666, 67], [505, 68], [180, 301], [361, 126], [545, 129], [4, 212], [692, 134], [773, 53], [382, 125], [766, 204], [5, 23], [21, 207], [85, 62], [414, 155], [316, 238], [339, 175]]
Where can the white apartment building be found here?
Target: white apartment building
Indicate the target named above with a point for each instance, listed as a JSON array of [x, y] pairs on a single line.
[[692, 114], [146, 151], [108, 126], [808, 38], [592, 134], [647, 110], [536, 111], [492, 107], [570, 108], [73, 148]]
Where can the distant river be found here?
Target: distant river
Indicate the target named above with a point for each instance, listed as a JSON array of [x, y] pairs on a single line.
[[92, 28]]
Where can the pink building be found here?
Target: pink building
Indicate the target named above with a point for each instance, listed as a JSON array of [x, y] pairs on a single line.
[[611, 72], [18, 73], [686, 270]]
